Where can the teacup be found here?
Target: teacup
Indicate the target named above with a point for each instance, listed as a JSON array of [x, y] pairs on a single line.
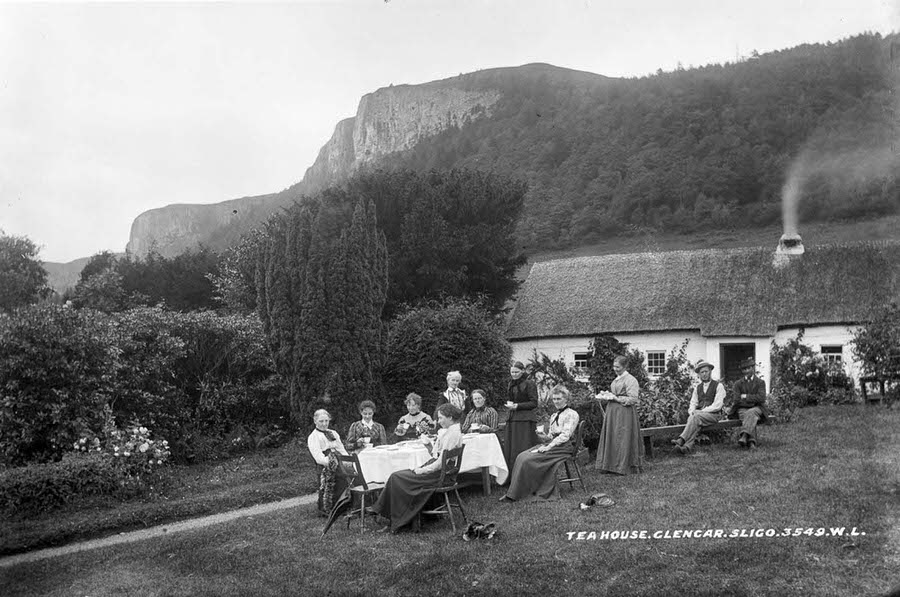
[[475, 427], [367, 441]]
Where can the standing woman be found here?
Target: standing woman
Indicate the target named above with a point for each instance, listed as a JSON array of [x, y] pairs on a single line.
[[366, 431], [406, 492], [454, 394], [521, 400], [323, 444], [619, 450]]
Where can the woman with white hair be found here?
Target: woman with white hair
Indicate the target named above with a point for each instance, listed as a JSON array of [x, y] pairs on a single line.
[[534, 473], [324, 444], [454, 394]]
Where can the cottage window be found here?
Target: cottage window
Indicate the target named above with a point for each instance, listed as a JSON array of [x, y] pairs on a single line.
[[580, 364], [656, 362], [833, 355], [581, 359]]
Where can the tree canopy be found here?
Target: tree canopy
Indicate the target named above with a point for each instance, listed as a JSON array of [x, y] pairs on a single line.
[[23, 279]]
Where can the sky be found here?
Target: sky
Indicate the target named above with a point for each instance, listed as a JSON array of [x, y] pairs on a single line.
[[109, 110]]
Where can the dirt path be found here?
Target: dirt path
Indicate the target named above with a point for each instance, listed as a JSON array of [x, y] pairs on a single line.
[[157, 531]]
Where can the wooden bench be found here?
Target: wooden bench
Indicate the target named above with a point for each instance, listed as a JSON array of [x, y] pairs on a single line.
[[648, 433]]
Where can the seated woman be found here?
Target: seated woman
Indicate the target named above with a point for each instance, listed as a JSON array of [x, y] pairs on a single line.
[[482, 418], [415, 422], [323, 444], [406, 492], [366, 431], [534, 474]]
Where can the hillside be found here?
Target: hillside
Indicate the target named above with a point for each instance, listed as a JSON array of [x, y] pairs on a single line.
[[61, 276], [674, 152]]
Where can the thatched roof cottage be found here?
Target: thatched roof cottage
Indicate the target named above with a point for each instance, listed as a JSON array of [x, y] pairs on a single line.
[[729, 303]]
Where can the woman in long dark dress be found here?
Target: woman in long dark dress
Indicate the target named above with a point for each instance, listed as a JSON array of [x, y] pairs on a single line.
[[534, 474], [406, 492], [521, 400], [620, 448]]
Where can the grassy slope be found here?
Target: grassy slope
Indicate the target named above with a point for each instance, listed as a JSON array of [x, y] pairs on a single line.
[[834, 466], [188, 491]]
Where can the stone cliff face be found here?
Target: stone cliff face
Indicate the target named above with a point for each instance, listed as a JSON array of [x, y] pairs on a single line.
[[394, 119], [173, 229], [389, 120]]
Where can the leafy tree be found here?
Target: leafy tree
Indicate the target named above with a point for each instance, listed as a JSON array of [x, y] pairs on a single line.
[[448, 233], [603, 350], [877, 343], [184, 282], [235, 280], [23, 279], [54, 382], [322, 283], [427, 341], [101, 262]]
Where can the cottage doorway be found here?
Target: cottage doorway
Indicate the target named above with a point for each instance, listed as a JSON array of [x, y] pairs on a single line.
[[731, 355]]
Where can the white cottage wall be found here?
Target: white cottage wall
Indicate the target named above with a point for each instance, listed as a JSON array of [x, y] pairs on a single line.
[[565, 348], [826, 335]]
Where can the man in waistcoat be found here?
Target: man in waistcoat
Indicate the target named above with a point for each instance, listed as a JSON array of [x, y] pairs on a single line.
[[748, 403], [705, 407]]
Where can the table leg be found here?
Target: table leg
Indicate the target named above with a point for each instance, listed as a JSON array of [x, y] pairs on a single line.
[[486, 480]]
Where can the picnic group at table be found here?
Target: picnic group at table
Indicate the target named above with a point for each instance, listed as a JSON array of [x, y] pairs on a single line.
[[408, 460]]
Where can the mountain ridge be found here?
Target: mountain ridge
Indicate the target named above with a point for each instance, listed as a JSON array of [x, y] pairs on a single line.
[[601, 155]]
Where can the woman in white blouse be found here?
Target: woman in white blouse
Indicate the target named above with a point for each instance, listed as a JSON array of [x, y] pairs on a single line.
[[406, 492], [534, 473], [323, 443]]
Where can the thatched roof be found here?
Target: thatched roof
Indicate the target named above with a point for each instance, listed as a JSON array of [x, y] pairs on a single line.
[[720, 292]]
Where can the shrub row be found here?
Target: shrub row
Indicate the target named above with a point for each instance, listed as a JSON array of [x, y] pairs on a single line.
[[32, 489], [203, 382]]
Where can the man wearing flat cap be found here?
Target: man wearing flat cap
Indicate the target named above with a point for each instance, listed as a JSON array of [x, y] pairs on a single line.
[[705, 407], [748, 403]]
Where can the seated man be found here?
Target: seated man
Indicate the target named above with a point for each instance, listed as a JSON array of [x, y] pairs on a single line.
[[705, 407], [748, 403]]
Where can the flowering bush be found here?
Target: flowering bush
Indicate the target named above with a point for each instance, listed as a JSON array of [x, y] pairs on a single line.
[[133, 454], [423, 427], [801, 376], [665, 401]]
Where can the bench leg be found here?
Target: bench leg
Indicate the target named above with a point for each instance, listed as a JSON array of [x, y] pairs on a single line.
[[648, 447]]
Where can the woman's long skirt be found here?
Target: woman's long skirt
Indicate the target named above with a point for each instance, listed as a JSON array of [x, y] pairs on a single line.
[[331, 485], [620, 448], [534, 474], [518, 437], [404, 495]]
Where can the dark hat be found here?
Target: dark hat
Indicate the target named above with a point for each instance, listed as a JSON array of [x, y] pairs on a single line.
[[519, 365], [748, 363], [701, 364]]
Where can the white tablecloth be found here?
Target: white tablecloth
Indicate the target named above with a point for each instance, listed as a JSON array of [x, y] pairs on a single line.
[[482, 449], [379, 462]]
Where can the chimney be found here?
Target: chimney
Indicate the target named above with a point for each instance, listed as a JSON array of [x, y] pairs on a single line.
[[789, 244]]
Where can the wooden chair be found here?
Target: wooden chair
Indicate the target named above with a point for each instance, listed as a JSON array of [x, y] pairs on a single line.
[[573, 460], [351, 471], [447, 484]]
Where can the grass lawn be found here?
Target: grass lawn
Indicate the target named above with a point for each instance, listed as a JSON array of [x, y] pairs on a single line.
[[187, 492], [832, 467]]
